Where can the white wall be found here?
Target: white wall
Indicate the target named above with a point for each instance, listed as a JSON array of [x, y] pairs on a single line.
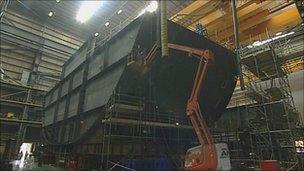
[[296, 81]]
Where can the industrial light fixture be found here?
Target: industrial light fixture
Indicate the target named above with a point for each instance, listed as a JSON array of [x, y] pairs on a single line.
[[58, 1], [96, 34], [51, 13], [279, 33], [119, 11], [87, 9], [107, 23], [176, 123], [153, 5], [260, 43]]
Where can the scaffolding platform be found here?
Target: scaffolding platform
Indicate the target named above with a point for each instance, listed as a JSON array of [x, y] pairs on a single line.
[[254, 95], [275, 93], [123, 107], [263, 65]]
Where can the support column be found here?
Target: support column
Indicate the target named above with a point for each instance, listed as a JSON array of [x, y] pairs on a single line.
[[32, 77], [237, 42]]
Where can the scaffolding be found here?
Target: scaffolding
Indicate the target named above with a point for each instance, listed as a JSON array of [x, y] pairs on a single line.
[[21, 110], [146, 133], [267, 121]]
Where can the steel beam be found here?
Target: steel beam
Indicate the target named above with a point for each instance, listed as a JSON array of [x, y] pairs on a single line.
[[142, 122], [33, 38], [24, 45], [20, 121], [20, 103], [3, 83]]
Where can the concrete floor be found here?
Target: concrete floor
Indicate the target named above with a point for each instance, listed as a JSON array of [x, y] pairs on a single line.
[[44, 168], [35, 167]]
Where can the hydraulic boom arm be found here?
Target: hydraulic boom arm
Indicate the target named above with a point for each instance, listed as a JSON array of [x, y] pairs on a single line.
[[193, 108], [206, 158], [203, 157]]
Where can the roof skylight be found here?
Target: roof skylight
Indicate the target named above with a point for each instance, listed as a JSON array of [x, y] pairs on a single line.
[[87, 10], [150, 8]]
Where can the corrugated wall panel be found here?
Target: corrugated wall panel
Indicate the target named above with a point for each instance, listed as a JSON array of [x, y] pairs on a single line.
[[73, 106], [61, 109], [55, 95], [65, 87], [48, 99], [75, 61], [122, 46], [67, 130], [98, 92], [87, 123], [77, 80], [96, 65], [49, 116]]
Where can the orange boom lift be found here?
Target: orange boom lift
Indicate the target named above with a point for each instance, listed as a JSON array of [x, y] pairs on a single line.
[[203, 157]]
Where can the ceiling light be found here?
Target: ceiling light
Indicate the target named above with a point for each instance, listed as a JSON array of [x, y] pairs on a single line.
[[260, 43], [87, 9], [256, 43], [150, 8], [51, 13], [119, 11], [107, 23], [279, 33], [96, 34], [58, 1]]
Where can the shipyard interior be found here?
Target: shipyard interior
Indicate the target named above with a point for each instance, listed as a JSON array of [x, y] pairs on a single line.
[[152, 85]]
